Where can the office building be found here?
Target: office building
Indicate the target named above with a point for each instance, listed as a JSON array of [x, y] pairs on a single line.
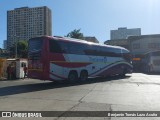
[[24, 23]]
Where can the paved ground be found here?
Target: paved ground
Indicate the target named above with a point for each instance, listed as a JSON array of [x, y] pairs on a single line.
[[136, 92]]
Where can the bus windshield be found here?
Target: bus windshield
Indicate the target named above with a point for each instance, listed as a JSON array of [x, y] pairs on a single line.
[[35, 44]]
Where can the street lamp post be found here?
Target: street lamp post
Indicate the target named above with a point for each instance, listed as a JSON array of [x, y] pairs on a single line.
[[16, 46]]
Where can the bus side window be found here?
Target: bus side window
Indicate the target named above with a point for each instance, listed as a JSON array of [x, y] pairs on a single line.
[[54, 47], [89, 50], [76, 48], [72, 48], [109, 52], [64, 47]]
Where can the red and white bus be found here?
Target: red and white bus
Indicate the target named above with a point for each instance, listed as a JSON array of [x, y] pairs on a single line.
[[58, 58]]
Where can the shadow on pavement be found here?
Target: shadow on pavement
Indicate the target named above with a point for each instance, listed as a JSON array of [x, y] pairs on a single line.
[[151, 73], [9, 80], [11, 90], [156, 73]]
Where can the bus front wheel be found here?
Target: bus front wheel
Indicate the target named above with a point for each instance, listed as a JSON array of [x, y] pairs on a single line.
[[73, 76]]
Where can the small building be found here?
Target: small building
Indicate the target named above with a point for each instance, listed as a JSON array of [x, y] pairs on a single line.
[[17, 66]]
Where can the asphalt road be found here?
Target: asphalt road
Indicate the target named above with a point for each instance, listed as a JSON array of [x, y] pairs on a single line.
[[136, 92]]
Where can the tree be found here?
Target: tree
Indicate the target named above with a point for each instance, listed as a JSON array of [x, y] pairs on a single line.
[[22, 47], [0, 50], [75, 34]]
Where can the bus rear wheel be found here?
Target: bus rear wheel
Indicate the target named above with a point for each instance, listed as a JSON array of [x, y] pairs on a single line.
[[83, 75], [73, 76]]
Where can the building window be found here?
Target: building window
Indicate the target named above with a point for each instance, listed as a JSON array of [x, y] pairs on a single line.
[[154, 45], [136, 46]]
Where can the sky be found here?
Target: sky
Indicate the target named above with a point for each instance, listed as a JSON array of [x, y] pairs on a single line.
[[93, 17]]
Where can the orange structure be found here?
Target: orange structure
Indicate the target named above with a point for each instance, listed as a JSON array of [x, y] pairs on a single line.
[[2, 64]]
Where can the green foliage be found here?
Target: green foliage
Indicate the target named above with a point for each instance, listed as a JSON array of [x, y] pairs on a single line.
[[75, 34], [22, 47]]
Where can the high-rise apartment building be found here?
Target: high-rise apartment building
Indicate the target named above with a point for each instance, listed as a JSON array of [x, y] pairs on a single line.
[[123, 33], [24, 23]]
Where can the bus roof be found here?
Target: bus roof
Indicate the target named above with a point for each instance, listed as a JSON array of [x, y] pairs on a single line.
[[81, 41], [86, 42]]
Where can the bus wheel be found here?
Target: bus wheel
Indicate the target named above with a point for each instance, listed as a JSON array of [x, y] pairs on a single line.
[[73, 76], [83, 75]]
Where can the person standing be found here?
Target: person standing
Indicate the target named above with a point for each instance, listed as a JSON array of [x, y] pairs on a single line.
[[25, 71], [9, 72]]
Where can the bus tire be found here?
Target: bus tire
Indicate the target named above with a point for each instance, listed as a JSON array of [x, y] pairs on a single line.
[[83, 75], [73, 76]]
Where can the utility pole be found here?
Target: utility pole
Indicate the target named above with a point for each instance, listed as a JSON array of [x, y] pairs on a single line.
[[16, 46]]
